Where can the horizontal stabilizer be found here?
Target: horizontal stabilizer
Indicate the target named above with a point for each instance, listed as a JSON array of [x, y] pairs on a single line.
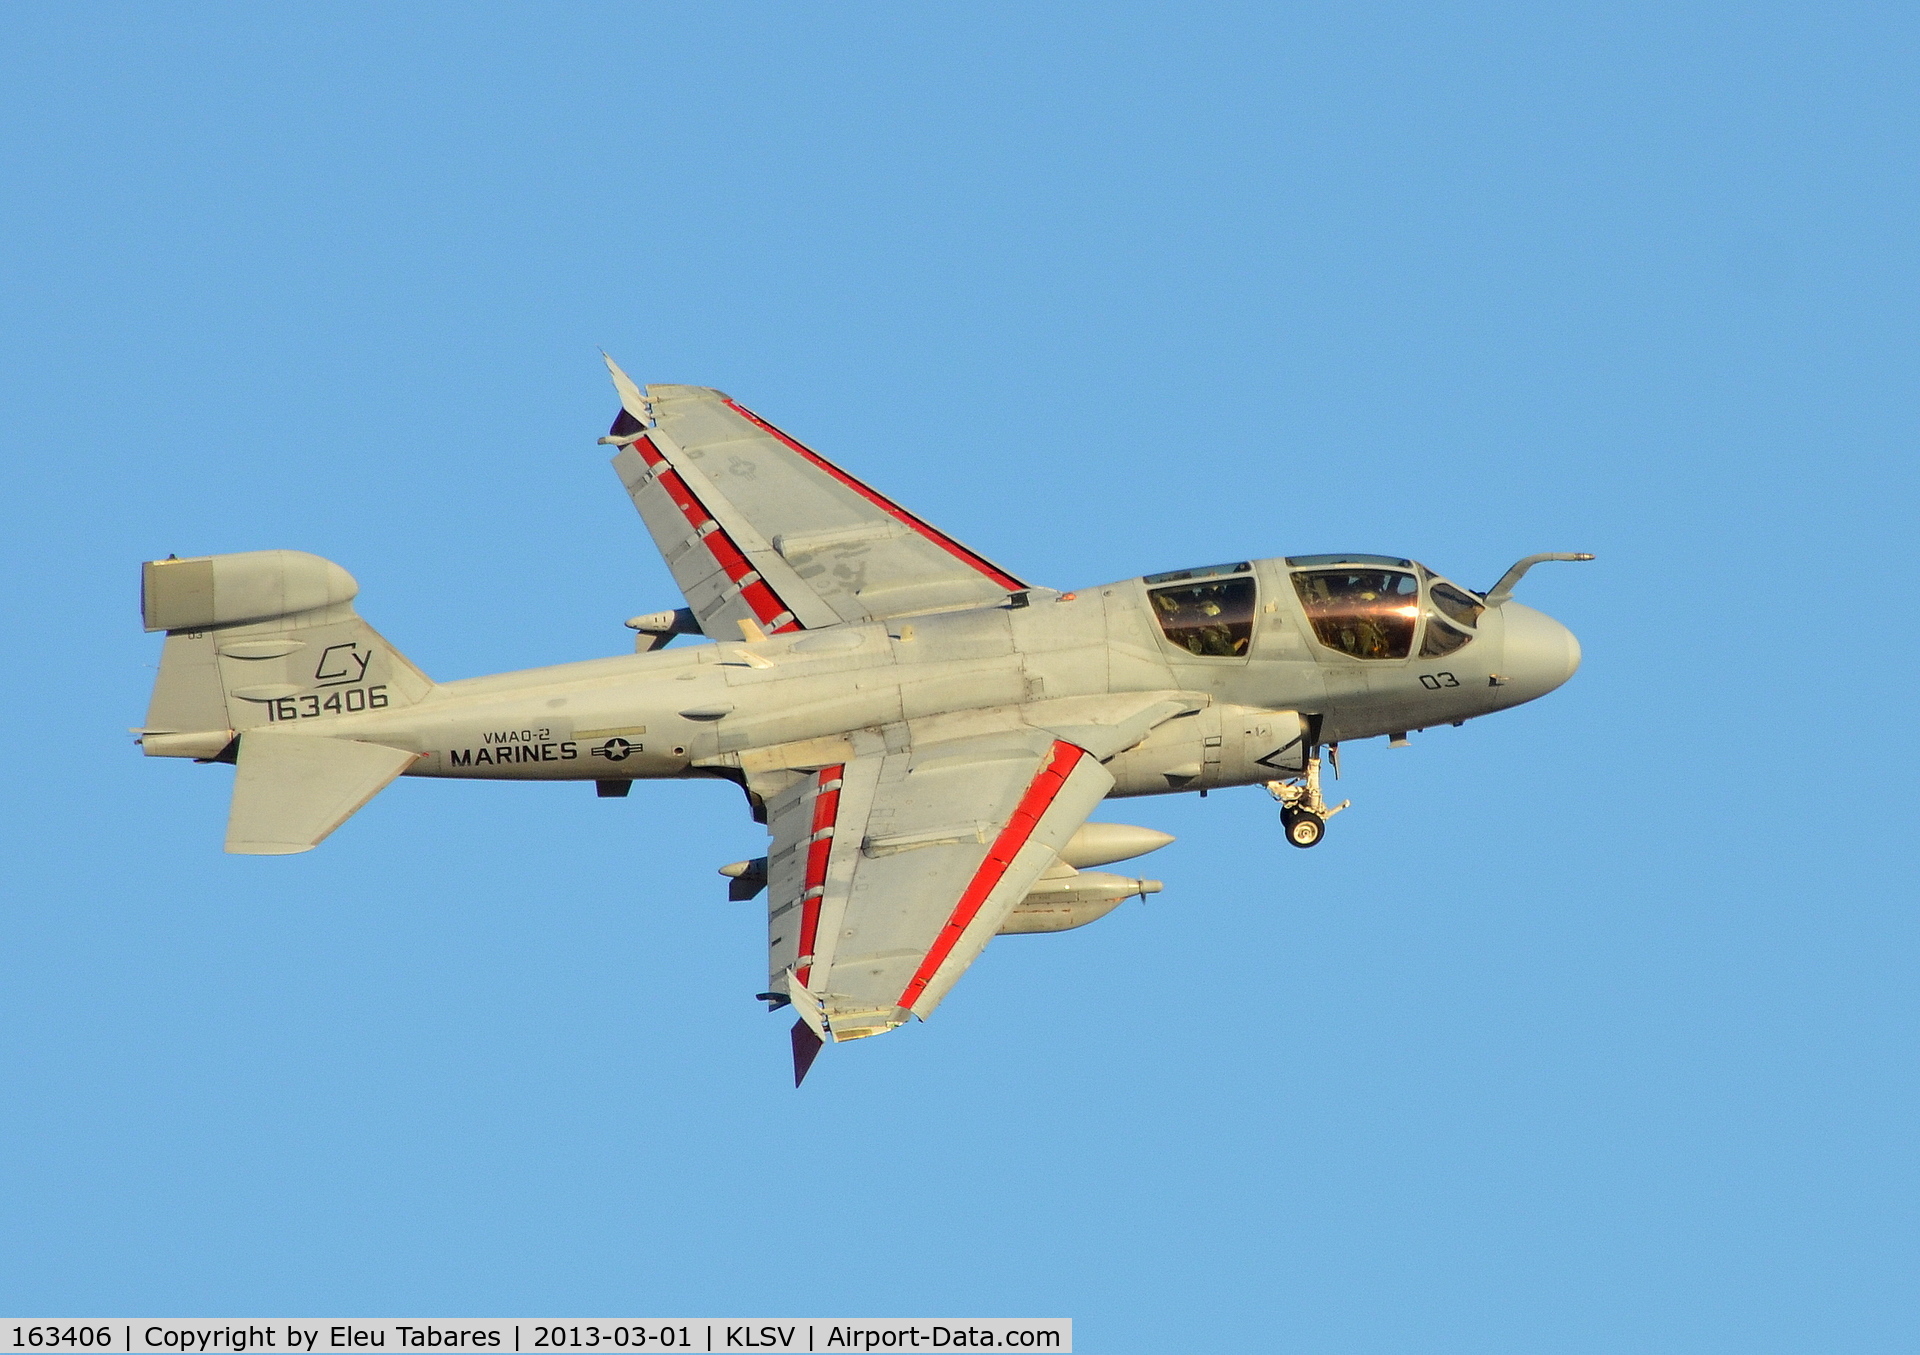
[[291, 790]]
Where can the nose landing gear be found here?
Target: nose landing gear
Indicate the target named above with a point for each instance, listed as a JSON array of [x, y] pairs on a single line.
[[1303, 812]]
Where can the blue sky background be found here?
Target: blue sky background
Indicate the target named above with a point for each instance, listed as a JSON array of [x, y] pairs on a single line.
[[1590, 1028]]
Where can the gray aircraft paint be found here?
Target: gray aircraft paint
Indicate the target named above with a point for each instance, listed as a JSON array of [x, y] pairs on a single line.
[[1047, 650], [893, 647]]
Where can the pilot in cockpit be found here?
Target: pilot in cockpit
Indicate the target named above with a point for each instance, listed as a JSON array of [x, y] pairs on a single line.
[[1198, 621], [1365, 613]]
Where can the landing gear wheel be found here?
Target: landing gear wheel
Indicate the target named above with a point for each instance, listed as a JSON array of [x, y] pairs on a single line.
[[1303, 813], [1304, 829]]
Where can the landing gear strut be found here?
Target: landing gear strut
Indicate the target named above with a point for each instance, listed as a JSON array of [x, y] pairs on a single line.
[[1303, 812]]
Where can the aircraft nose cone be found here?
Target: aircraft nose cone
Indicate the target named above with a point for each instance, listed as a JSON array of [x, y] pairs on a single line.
[[1540, 653]]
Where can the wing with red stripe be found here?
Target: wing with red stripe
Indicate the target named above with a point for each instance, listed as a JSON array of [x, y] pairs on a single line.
[[757, 526], [804, 820], [889, 874]]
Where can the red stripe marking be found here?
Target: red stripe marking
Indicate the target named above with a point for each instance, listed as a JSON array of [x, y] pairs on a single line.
[[760, 598], [881, 501], [1040, 795], [826, 809]]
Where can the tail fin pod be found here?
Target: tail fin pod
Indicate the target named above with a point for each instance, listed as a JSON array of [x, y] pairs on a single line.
[[234, 590], [261, 638]]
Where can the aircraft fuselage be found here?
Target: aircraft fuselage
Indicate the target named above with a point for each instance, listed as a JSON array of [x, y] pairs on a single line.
[[734, 707]]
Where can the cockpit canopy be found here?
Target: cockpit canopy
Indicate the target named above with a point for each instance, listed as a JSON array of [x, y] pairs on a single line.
[[1206, 611], [1361, 611], [1363, 606], [1369, 606]]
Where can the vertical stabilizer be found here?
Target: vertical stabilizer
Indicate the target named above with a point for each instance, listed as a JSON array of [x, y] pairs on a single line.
[[261, 640]]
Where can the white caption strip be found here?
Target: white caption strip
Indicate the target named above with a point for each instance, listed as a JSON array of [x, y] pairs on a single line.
[[311, 1336]]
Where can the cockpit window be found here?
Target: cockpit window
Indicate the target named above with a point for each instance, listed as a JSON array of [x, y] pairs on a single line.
[[1441, 640], [1213, 619], [1462, 607], [1368, 613], [1200, 572]]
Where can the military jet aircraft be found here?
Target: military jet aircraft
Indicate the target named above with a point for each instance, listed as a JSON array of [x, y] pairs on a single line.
[[922, 732]]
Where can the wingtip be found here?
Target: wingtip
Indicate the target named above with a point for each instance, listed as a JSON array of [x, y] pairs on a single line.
[[632, 398], [806, 1048]]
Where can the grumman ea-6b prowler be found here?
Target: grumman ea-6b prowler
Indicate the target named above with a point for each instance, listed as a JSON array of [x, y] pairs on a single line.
[[922, 732]]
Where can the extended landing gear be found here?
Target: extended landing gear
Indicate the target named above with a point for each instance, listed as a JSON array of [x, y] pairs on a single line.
[[1303, 829], [1303, 812]]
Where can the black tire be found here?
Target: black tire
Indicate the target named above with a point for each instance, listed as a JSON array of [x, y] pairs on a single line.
[[1306, 829]]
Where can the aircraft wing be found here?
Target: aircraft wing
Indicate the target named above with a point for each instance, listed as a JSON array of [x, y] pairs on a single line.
[[890, 872], [758, 529]]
